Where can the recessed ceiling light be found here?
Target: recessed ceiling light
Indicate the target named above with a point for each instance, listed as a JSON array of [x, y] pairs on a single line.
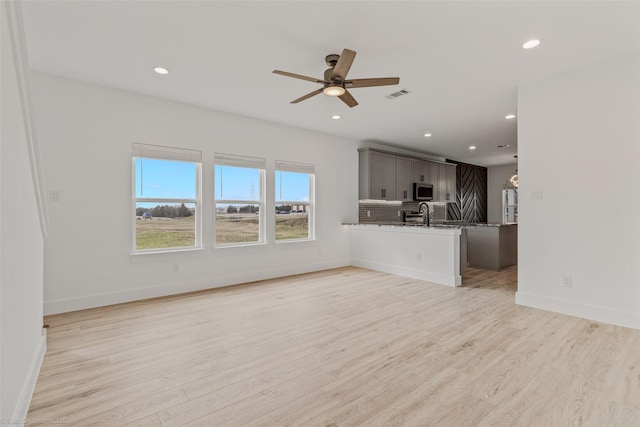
[[473, 147], [531, 44], [161, 70], [427, 135], [510, 116], [335, 117]]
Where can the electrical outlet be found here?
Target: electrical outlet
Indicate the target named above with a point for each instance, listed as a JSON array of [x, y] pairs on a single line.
[[419, 257], [368, 214], [55, 195], [536, 195], [176, 268], [399, 213], [567, 281]]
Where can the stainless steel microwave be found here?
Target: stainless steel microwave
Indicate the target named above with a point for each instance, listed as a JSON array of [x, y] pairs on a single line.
[[422, 192]]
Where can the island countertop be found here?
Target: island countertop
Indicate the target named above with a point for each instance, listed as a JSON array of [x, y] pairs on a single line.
[[408, 226], [437, 225], [492, 224]]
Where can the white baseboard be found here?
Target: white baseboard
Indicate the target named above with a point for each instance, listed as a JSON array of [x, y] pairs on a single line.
[[29, 385], [65, 305], [441, 279], [586, 311]]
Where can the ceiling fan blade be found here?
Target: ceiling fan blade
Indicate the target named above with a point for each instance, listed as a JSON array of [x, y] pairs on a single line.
[[348, 99], [307, 96], [299, 76], [380, 81], [343, 65]]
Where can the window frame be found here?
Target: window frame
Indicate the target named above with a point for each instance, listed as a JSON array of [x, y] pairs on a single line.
[[156, 152], [303, 168], [233, 160]]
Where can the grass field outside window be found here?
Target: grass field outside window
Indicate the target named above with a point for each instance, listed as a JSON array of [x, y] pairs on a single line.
[[294, 201], [239, 200], [159, 233], [166, 199]]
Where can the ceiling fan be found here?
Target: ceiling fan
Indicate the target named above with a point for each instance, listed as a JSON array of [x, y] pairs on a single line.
[[335, 81]]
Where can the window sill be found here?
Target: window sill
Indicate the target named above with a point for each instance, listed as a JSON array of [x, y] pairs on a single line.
[[165, 254], [285, 241], [239, 245]]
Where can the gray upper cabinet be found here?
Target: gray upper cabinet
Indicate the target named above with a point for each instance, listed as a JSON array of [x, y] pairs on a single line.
[[386, 176], [404, 178], [377, 173], [446, 183], [425, 172]]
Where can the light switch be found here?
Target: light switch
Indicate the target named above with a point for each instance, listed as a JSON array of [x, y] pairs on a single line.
[[536, 195]]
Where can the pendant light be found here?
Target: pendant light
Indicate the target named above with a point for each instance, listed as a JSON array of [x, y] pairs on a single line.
[[512, 181]]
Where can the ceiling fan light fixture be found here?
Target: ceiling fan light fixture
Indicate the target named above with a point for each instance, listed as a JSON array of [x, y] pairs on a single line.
[[335, 81], [334, 90]]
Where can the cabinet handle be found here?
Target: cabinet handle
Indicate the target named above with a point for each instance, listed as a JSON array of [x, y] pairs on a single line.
[[383, 193]]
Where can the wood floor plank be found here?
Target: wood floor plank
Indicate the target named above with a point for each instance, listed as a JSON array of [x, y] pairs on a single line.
[[342, 347]]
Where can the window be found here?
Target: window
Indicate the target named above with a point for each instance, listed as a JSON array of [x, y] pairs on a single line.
[[166, 197], [294, 201], [239, 199]]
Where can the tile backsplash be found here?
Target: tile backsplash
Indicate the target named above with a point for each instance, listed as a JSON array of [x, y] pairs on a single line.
[[381, 211]]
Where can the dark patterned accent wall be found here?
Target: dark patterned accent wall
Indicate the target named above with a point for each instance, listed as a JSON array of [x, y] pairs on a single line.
[[471, 194]]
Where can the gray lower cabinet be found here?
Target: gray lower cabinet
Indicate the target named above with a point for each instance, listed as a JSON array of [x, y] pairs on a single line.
[[492, 247]]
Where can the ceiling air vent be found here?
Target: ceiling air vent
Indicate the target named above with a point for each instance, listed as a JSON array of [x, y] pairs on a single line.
[[394, 95]]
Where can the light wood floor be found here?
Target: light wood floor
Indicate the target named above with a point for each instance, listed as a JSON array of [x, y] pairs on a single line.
[[345, 347]]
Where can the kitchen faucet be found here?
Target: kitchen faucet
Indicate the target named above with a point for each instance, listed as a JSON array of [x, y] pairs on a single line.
[[424, 209]]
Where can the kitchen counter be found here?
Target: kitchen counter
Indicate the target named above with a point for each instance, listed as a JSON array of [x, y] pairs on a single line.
[[491, 246], [404, 224], [453, 225], [436, 254], [493, 224]]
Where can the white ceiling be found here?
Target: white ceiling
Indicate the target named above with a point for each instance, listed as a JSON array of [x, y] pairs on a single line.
[[461, 61]]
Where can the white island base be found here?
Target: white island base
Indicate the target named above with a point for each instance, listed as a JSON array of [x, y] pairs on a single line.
[[437, 255]]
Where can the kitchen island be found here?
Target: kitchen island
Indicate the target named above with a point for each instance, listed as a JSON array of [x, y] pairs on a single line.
[[436, 254]]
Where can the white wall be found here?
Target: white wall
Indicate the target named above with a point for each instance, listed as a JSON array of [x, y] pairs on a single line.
[[86, 135], [496, 178], [579, 165], [22, 344]]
